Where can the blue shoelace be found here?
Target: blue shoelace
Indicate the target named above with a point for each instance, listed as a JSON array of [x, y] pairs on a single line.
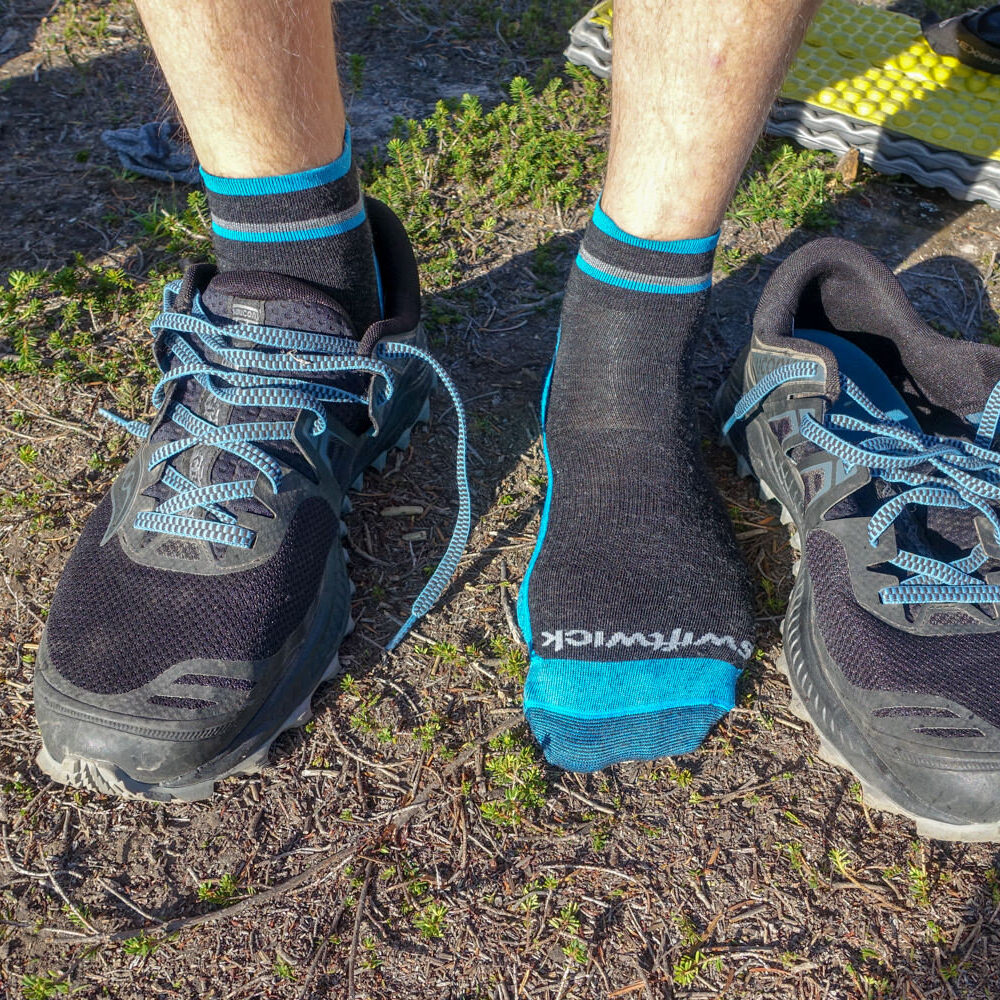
[[274, 383], [936, 471]]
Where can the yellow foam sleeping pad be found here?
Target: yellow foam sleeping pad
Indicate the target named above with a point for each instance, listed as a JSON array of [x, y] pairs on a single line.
[[876, 66]]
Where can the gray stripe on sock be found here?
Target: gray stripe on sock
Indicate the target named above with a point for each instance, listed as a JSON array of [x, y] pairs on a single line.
[[334, 219], [638, 276]]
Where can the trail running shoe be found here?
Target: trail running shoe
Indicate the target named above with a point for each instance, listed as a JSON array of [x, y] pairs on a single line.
[[876, 435], [972, 38], [208, 594]]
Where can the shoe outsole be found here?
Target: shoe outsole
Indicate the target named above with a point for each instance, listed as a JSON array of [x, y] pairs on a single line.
[[807, 705], [108, 778]]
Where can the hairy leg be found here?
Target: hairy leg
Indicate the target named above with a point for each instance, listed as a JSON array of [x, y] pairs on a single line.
[[691, 88], [254, 80]]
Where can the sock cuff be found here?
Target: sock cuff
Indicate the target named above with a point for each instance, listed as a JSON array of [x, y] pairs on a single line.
[[303, 180], [661, 267], [609, 227], [318, 227]]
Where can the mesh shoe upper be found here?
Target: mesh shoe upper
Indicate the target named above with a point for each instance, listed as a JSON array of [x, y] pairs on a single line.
[[116, 624], [877, 656], [886, 626], [134, 601]]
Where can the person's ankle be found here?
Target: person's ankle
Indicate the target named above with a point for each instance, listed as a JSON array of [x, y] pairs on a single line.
[[686, 218]]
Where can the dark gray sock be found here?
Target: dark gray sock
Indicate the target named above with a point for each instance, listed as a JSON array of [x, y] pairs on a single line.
[[310, 225], [636, 605]]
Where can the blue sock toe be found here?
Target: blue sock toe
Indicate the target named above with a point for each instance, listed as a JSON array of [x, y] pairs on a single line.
[[587, 716]]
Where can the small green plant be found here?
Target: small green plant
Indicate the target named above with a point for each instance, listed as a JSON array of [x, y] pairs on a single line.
[[140, 946], [529, 902], [567, 919], [283, 969], [681, 776], [918, 878], [356, 63], [993, 881], [21, 789], [784, 184], [427, 732], [221, 891], [599, 837], [184, 232], [78, 915], [536, 148], [774, 600], [513, 768], [936, 933], [952, 968], [690, 935], [840, 860], [729, 259], [44, 986], [363, 717], [688, 967], [513, 660], [55, 322], [447, 652], [370, 957], [430, 921], [870, 987]]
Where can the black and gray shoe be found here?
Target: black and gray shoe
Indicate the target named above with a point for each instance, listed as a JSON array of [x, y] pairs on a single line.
[[972, 38], [876, 435], [208, 594]]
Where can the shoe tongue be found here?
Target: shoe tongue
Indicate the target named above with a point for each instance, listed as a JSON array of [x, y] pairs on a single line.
[[985, 25], [267, 299], [263, 299]]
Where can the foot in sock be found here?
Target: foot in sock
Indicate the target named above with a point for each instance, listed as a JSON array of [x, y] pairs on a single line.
[[310, 225], [636, 604]]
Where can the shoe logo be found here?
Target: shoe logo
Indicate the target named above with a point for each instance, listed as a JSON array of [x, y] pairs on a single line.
[[248, 311], [657, 641], [203, 456], [121, 498], [972, 50]]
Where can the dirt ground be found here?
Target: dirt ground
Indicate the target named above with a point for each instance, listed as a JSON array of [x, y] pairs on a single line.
[[411, 842]]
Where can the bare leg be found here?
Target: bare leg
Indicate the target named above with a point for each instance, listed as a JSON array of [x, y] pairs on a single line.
[[691, 87], [255, 81]]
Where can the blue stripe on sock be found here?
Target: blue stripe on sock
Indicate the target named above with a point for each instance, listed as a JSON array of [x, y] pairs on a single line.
[[640, 286], [378, 286], [584, 689], [283, 183], [607, 226], [290, 235], [523, 615]]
